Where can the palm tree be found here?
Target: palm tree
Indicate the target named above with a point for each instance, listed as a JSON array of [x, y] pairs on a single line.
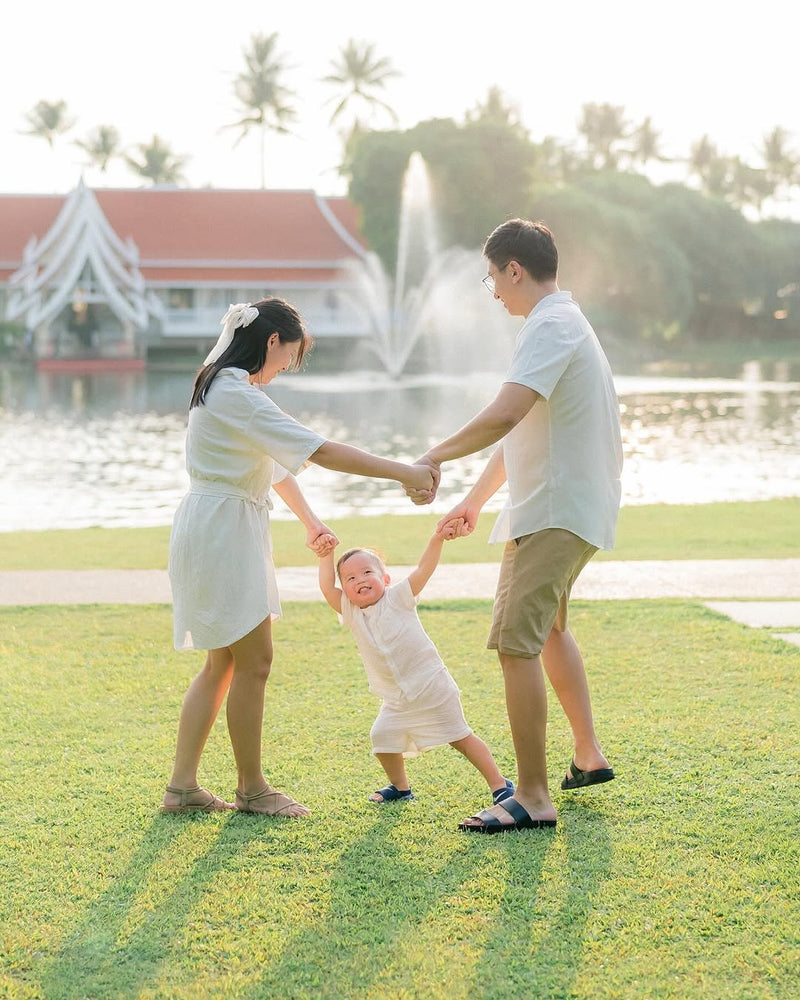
[[101, 146], [702, 156], [646, 145], [359, 73], [48, 121], [263, 98], [158, 163], [555, 160], [749, 186], [781, 162], [497, 109], [603, 125], [716, 180]]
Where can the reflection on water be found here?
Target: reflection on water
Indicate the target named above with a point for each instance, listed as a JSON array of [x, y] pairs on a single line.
[[108, 449]]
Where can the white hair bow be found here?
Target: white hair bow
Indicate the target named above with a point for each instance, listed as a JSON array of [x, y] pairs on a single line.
[[240, 314]]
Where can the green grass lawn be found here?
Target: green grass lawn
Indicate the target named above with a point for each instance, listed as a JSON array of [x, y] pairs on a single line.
[[766, 529], [677, 880]]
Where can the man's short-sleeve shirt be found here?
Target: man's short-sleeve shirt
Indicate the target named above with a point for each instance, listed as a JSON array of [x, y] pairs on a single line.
[[563, 460]]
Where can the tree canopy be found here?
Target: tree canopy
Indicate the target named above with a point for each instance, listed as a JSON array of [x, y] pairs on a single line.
[[645, 260], [156, 162]]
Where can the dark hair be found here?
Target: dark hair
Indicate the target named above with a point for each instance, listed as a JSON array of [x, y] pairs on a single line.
[[354, 552], [531, 244], [248, 349]]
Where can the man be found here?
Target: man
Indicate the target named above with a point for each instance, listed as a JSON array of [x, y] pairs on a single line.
[[558, 418]]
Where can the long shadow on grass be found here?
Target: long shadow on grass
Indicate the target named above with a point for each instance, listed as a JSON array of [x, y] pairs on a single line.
[[379, 896], [92, 962], [536, 941]]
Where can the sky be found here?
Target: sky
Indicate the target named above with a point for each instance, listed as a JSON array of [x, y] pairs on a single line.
[[167, 68]]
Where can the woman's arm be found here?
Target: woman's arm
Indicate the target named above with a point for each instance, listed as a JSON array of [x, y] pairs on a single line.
[[345, 458], [288, 489]]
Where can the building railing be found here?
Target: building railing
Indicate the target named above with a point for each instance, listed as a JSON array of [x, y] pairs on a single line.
[[321, 322]]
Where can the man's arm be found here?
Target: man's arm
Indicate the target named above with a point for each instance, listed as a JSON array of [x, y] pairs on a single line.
[[509, 406], [461, 520], [327, 582], [428, 562]]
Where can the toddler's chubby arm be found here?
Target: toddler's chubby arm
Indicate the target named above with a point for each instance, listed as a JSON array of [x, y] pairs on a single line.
[[428, 562], [327, 581]]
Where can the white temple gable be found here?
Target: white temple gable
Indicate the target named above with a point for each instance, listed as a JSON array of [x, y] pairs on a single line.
[[80, 257]]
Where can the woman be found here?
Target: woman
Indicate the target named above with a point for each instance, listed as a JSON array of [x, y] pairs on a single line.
[[239, 443]]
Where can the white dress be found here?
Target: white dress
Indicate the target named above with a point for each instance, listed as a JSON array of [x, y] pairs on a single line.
[[421, 705], [220, 555]]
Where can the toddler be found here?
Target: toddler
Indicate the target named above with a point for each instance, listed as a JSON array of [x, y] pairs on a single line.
[[420, 702]]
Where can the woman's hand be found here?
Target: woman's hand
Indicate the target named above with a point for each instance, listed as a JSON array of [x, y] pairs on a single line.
[[321, 540], [427, 494], [421, 480]]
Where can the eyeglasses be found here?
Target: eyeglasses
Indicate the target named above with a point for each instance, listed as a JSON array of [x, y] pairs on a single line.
[[488, 280]]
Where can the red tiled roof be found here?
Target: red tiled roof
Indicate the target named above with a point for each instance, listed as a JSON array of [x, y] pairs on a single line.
[[23, 216], [256, 228], [275, 275]]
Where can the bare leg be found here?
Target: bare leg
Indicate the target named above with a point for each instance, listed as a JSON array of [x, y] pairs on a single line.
[[395, 768], [201, 705], [564, 666], [480, 756], [252, 661], [526, 704]]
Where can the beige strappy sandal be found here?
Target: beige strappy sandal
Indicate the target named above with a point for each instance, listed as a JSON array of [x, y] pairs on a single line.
[[271, 802], [208, 803]]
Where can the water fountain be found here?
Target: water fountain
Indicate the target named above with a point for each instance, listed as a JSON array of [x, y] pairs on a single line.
[[436, 294]]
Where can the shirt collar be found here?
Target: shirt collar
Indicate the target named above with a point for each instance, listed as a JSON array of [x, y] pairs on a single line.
[[549, 300]]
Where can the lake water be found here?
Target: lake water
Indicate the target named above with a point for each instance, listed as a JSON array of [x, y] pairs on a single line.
[[82, 450]]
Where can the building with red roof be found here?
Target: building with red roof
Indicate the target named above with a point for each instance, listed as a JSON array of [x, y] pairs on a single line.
[[125, 274]]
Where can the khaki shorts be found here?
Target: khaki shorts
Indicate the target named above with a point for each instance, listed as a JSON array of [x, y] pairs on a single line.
[[536, 578]]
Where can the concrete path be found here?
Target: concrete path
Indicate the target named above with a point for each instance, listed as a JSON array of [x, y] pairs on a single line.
[[762, 593]]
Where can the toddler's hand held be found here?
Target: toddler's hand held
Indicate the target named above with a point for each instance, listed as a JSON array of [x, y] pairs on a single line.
[[450, 529], [324, 544]]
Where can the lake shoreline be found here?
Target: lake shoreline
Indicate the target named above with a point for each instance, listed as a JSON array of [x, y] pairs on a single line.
[[764, 529], [109, 449]]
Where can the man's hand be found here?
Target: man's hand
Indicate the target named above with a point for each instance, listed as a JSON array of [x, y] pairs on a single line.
[[421, 497], [459, 522]]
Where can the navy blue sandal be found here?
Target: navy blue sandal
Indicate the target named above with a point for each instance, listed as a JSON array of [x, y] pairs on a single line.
[[503, 793], [489, 823], [392, 794], [580, 779]]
